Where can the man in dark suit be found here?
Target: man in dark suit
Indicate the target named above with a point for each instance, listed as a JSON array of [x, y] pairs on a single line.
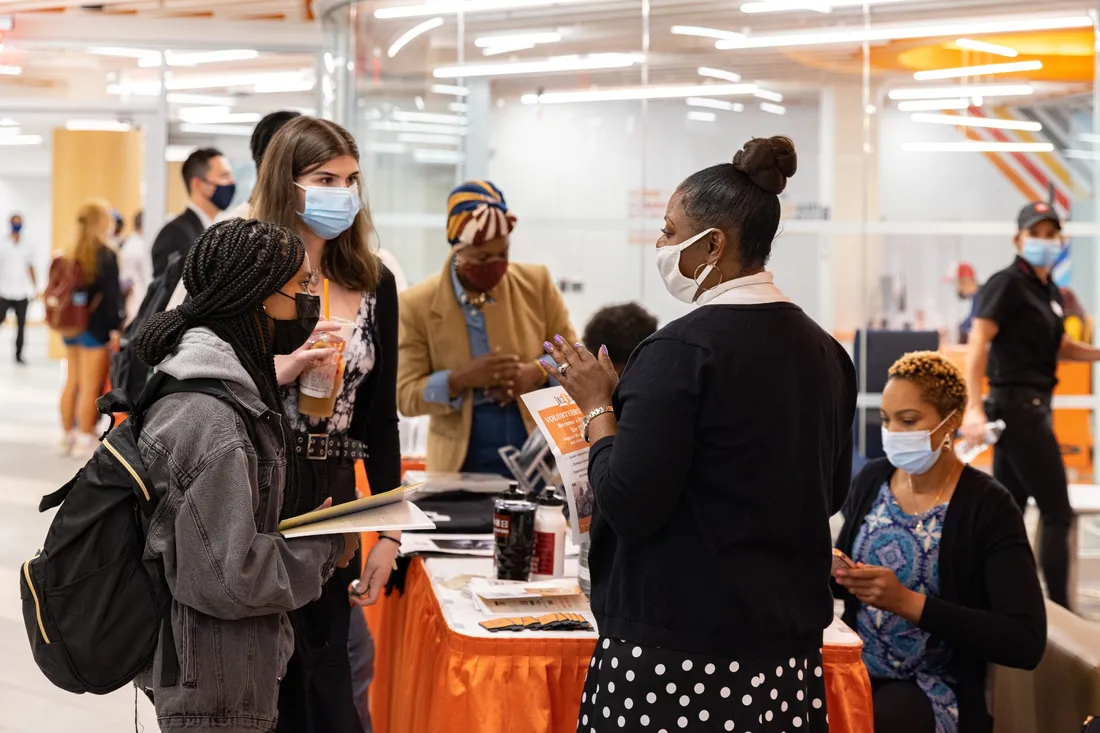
[[209, 180]]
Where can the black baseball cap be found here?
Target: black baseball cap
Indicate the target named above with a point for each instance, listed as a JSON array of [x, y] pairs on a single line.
[[1036, 212]]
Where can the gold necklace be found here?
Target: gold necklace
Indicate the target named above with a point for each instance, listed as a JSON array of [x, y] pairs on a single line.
[[935, 502]]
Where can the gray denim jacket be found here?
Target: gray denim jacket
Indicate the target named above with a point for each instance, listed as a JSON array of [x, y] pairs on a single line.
[[232, 576]]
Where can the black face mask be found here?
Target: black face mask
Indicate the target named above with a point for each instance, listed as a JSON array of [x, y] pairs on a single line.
[[290, 335]]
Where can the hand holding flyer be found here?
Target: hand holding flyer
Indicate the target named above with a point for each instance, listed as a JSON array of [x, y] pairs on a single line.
[[560, 421]]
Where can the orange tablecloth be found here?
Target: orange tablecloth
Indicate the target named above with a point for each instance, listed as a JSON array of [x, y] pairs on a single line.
[[431, 679]]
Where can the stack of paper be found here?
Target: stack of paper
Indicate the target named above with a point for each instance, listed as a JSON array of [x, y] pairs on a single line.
[[496, 597], [477, 483], [384, 512]]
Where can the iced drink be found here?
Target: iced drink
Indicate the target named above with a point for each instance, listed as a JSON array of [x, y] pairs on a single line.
[[319, 385]]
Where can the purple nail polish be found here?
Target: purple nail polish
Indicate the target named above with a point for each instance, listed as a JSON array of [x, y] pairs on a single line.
[[603, 350], [578, 346], [559, 339], [546, 345]]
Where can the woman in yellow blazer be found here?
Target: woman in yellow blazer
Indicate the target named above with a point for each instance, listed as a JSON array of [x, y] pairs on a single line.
[[472, 336]]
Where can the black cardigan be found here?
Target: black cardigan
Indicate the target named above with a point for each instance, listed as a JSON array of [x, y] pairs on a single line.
[[105, 294], [990, 606], [374, 419]]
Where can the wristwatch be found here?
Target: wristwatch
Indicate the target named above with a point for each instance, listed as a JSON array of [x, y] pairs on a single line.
[[592, 416]]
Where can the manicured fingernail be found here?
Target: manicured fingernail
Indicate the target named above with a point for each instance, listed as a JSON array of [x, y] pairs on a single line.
[[559, 339], [578, 345], [546, 345], [603, 350]]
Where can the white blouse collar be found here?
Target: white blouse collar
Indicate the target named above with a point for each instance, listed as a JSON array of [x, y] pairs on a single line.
[[751, 290]]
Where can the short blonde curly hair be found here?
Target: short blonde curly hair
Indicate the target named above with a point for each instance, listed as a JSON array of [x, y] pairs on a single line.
[[940, 382]]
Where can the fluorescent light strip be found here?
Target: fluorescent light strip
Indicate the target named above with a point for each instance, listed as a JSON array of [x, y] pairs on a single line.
[[984, 90], [514, 39], [774, 109], [429, 117], [1008, 68], [10, 131], [592, 62], [498, 50], [458, 107], [715, 104], [927, 105], [14, 140], [387, 126], [631, 93], [213, 118], [702, 116], [125, 52], [201, 99], [989, 122], [98, 125], [231, 130], [971, 45], [392, 148], [173, 58], [429, 139], [903, 31], [412, 33], [1086, 137], [135, 89], [7, 70], [269, 80], [722, 74], [770, 96], [701, 32], [1075, 154], [822, 6], [450, 89], [454, 7], [977, 146], [283, 87], [443, 157]]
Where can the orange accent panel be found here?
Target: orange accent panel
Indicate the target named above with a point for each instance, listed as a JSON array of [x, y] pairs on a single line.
[[1006, 170]]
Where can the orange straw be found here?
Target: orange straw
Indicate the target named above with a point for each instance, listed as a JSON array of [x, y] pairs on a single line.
[[326, 298]]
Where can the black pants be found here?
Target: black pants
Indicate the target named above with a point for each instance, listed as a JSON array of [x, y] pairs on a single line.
[[902, 707], [1028, 462], [20, 307], [316, 694]]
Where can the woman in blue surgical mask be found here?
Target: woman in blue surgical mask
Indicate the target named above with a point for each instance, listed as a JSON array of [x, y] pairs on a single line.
[[943, 582], [309, 181]]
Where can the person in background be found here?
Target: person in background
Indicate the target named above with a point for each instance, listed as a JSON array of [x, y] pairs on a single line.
[[18, 281], [232, 577], [210, 187], [309, 181], [945, 582], [471, 337], [967, 289], [1077, 318], [1018, 336], [621, 328], [715, 476], [135, 268], [88, 353], [120, 224], [262, 133]]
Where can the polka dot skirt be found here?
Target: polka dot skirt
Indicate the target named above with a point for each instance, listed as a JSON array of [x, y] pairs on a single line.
[[641, 688]]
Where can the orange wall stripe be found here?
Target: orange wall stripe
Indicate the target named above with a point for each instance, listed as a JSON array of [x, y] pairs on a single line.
[[1013, 178]]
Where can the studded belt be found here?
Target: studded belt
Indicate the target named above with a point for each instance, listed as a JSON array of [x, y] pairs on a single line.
[[322, 446]]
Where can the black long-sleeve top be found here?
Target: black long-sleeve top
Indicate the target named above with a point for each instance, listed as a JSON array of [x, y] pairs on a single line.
[[989, 608], [734, 447], [105, 295]]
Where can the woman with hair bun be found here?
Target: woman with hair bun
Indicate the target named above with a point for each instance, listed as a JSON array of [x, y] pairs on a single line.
[[945, 581], [716, 462]]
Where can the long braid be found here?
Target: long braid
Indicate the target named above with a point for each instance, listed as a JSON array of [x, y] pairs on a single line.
[[229, 272]]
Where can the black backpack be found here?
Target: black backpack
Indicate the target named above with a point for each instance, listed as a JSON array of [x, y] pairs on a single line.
[[128, 373], [94, 610]]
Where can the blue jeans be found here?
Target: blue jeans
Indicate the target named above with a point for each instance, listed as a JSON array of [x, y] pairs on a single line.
[[493, 428], [84, 340]]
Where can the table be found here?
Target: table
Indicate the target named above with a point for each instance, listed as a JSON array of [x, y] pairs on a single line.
[[1084, 499], [437, 673]]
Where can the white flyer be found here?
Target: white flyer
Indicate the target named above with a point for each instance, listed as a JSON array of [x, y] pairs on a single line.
[[560, 421]]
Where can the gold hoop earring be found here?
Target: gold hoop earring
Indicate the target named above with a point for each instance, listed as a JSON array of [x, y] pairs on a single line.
[[695, 278]]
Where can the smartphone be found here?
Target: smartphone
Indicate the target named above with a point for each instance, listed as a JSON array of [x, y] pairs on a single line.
[[841, 561]]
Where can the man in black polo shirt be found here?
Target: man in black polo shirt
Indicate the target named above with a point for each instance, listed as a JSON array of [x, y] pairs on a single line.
[[1016, 341]]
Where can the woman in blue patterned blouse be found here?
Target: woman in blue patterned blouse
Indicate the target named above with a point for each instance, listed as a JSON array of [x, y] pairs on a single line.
[[945, 581]]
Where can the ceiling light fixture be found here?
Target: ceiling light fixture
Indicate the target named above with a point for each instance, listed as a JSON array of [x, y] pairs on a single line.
[[985, 90], [971, 45], [988, 122], [722, 74], [9, 131], [715, 104], [977, 146], [454, 7], [229, 130], [1076, 154], [175, 58], [98, 125], [592, 62], [177, 153], [514, 39], [930, 105], [200, 99], [774, 109], [404, 39], [770, 96], [701, 32], [14, 140], [632, 93], [391, 148], [441, 157], [135, 89], [429, 117], [498, 50], [454, 91], [6, 70], [429, 139], [702, 116], [125, 52], [216, 116], [1012, 66], [821, 6], [899, 31], [459, 107], [271, 81], [287, 86], [387, 126]]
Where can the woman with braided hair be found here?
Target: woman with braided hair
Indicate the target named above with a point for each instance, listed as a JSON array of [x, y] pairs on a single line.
[[309, 182], [945, 581], [222, 468]]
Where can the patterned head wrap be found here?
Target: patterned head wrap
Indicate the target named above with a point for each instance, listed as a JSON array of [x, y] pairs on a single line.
[[477, 213]]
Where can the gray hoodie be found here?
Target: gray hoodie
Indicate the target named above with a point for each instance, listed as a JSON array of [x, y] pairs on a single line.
[[232, 576]]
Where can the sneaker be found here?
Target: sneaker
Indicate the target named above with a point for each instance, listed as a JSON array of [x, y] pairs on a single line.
[[20, 361], [65, 445], [85, 446]]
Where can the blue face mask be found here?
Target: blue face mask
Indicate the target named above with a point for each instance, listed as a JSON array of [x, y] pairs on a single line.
[[1042, 253], [912, 451], [330, 212]]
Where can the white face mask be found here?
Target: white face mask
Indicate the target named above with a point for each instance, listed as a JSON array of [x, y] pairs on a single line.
[[679, 286]]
